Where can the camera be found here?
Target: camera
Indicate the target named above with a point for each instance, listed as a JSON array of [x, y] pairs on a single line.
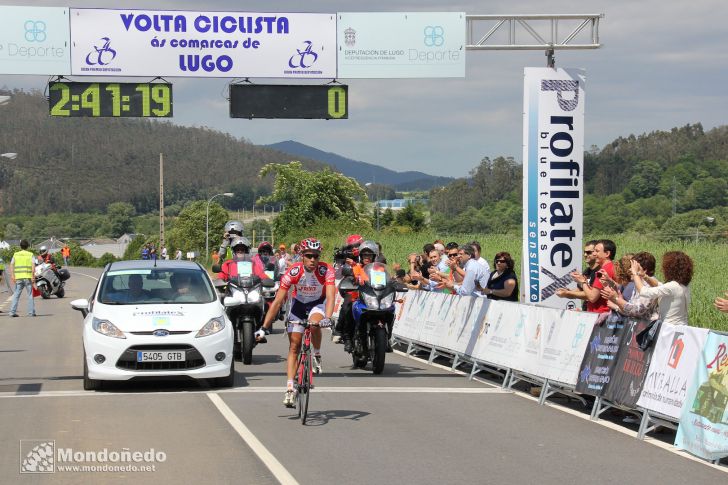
[[342, 254]]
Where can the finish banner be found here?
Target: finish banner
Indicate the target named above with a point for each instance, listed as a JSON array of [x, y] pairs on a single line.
[[553, 175], [35, 40], [601, 357], [671, 370], [401, 44], [703, 429], [202, 44]]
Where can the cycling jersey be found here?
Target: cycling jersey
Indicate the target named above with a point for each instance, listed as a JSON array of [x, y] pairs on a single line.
[[309, 288]]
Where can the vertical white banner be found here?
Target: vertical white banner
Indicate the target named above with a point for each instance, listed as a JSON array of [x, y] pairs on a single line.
[[553, 188]]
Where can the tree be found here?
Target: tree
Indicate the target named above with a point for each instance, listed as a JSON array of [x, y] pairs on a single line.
[[309, 197], [387, 217], [411, 216], [189, 228], [120, 218]]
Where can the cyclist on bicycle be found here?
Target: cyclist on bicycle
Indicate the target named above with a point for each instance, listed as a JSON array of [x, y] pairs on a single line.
[[313, 298]]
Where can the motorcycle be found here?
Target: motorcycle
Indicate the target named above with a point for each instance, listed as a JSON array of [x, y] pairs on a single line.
[[245, 307], [269, 294], [373, 315], [50, 281]]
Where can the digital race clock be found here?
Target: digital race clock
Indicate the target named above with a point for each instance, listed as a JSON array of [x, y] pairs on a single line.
[[110, 99], [307, 101]]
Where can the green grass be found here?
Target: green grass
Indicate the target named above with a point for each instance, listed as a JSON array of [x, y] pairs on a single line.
[[710, 261]]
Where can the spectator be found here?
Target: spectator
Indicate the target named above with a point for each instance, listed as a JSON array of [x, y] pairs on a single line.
[[164, 253], [605, 251], [454, 265], [283, 258], [636, 305], [592, 266], [145, 251], [22, 271], [66, 253], [178, 255], [479, 258], [5, 278], [503, 282], [380, 257], [434, 277], [475, 276], [722, 303], [673, 296]]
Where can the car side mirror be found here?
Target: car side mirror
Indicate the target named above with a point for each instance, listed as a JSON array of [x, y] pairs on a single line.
[[81, 305], [216, 268]]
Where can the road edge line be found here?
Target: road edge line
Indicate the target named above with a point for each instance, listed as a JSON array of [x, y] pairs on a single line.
[[270, 461]]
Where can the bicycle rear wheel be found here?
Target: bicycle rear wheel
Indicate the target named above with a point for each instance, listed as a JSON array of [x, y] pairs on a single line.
[[304, 392]]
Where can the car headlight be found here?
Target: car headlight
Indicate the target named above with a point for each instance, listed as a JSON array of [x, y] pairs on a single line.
[[105, 327], [386, 301], [211, 327], [371, 301], [253, 296]]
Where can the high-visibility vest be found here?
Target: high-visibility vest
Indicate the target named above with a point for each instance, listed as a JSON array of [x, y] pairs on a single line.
[[23, 265]]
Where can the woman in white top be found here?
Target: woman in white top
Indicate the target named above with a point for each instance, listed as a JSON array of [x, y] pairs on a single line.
[[674, 295]]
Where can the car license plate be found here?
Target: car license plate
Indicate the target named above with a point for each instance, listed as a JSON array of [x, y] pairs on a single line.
[[160, 356]]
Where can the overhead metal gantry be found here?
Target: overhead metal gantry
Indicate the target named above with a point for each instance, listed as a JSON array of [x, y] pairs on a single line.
[[533, 32]]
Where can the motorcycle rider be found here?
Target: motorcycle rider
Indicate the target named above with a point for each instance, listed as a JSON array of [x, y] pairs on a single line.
[[232, 230], [45, 257], [240, 248], [264, 258], [368, 252], [343, 321], [313, 298]]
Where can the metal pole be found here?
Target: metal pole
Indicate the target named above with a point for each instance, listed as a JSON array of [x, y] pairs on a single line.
[[207, 229]]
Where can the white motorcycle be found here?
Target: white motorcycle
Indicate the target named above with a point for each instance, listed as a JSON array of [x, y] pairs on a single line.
[[49, 281]]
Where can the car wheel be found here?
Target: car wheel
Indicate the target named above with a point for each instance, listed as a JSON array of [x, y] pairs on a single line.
[[89, 384], [229, 380]]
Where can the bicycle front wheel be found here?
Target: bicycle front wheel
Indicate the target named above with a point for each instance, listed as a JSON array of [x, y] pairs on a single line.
[[304, 391]]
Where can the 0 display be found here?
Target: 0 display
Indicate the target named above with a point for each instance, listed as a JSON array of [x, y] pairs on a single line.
[[116, 100], [330, 101]]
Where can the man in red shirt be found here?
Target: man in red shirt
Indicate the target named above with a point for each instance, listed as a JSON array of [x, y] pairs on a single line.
[[605, 251]]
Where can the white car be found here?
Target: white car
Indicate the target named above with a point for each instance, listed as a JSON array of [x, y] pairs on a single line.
[[155, 319]]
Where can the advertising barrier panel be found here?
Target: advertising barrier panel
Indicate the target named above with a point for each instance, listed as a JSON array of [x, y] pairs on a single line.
[[113, 42], [631, 367], [553, 188], [671, 370], [401, 44], [600, 358], [35, 40], [703, 429]]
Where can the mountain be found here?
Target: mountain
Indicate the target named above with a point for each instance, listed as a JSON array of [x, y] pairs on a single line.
[[84, 164], [361, 171]]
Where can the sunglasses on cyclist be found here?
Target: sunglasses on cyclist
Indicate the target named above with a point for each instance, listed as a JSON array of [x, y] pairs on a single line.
[[311, 256]]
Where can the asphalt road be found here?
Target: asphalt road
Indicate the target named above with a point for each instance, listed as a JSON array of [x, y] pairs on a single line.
[[416, 423]]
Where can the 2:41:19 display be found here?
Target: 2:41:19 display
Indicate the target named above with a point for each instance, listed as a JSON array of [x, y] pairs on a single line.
[[74, 99]]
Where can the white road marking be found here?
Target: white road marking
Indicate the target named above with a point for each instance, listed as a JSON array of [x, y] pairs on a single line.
[[270, 461], [84, 274], [265, 389]]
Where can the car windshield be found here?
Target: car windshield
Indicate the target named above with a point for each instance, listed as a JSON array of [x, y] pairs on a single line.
[[155, 286]]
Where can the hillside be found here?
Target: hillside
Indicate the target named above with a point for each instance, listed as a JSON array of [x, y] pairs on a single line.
[[83, 164], [362, 171]]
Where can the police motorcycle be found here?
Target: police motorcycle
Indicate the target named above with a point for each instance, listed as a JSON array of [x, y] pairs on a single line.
[[49, 279], [242, 296], [373, 314], [273, 273]]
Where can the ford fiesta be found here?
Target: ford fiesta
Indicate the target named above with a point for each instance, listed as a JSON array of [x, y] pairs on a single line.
[[155, 319]]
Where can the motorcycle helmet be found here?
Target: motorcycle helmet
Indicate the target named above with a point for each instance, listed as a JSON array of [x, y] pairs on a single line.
[[354, 240], [369, 246], [234, 227], [265, 251], [43, 250], [240, 242], [310, 244]]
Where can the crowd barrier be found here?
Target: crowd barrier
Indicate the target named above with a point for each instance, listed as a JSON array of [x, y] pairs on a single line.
[[680, 382]]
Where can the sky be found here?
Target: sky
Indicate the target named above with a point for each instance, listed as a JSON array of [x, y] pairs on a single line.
[[661, 65]]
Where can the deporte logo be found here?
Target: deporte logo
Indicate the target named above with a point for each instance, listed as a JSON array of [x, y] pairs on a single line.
[[42, 456], [35, 31], [434, 36]]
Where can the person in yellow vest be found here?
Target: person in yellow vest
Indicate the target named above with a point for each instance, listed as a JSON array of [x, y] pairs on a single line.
[[22, 275], [5, 277]]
